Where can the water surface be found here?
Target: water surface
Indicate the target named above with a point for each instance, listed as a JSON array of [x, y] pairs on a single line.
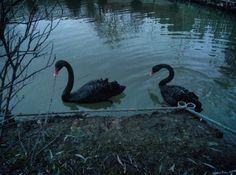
[[123, 40]]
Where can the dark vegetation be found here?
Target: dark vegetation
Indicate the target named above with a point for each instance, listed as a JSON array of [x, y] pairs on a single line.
[[160, 143]]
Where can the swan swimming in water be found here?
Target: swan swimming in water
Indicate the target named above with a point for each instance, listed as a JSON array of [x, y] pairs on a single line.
[[91, 92], [173, 94]]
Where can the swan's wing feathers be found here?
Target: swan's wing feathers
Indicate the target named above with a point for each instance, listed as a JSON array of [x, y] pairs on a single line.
[[174, 91], [92, 88], [173, 94], [193, 95], [185, 93], [99, 90], [99, 82]]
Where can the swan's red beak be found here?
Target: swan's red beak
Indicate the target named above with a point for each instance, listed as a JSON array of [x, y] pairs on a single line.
[[56, 72]]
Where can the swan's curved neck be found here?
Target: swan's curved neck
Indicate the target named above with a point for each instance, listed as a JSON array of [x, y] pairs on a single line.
[[70, 82], [170, 76]]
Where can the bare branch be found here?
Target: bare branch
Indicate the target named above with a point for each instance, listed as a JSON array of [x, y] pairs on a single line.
[[23, 42], [21, 143]]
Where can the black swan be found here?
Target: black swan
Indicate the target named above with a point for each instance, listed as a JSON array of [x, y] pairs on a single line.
[[91, 92], [173, 94]]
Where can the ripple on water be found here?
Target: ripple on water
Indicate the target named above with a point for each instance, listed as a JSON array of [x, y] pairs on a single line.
[[123, 43]]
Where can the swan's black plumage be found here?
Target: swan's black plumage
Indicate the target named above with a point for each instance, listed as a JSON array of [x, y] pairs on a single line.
[[91, 92], [173, 94]]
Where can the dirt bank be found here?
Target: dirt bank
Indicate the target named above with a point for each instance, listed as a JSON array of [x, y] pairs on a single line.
[[159, 143]]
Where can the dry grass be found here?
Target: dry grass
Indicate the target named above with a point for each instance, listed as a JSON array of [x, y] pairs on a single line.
[[160, 143]]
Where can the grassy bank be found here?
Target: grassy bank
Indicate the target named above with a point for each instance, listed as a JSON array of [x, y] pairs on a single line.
[[159, 143]]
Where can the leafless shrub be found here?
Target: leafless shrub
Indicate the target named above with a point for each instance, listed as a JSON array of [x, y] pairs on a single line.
[[25, 49]]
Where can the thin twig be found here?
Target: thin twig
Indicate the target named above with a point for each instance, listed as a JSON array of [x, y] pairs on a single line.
[[53, 140], [21, 144]]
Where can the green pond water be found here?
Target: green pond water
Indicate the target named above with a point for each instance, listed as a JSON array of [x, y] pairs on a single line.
[[122, 40]]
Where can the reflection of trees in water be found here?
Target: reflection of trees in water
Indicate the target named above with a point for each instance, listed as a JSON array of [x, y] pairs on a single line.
[[230, 55], [81, 8], [115, 26], [223, 33], [116, 21], [216, 27], [120, 22], [102, 3], [136, 5], [229, 70], [91, 10], [29, 4], [230, 58], [74, 6], [219, 31], [56, 10]]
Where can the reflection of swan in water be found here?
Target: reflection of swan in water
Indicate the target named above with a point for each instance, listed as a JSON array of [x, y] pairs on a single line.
[[91, 92], [173, 94], [94, 106]]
